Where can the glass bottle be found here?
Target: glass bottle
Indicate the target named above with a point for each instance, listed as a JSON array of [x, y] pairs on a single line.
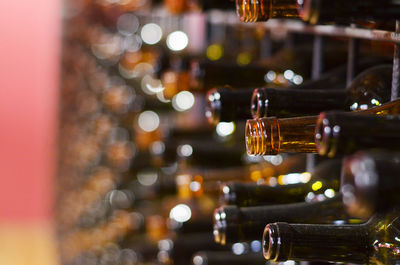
[[320, 11], [250, 11], [225, 104], [323, 180], [344, 133], [368, 89], [180, 6], [375, 242], [234, 224], [370, 182]]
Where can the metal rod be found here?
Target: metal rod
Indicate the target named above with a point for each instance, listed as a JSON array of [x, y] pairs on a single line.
[[396, 67], [352, 59]]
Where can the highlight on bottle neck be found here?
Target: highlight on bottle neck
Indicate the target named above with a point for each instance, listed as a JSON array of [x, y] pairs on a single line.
[[262, 136], [273, 246], [258, 104], [213, 107], [326, 135]]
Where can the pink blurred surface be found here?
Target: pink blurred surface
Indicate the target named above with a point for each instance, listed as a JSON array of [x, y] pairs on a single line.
[[29, 73]]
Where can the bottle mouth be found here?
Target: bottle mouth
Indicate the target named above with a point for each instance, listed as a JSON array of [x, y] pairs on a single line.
[[226, 224], [257, 106], [245, 10], [259, 136], [325, 136], [273, 242], [213, 106], [227, 193]]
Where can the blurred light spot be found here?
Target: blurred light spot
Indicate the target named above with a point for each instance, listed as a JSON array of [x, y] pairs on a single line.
[[225, 128], [180, 213], [270, 76], [148, 121], [289, 262], [132, 43], [215, 52], [223, 215], [177, 41], [298, 80], [185, 150], [276, 160], [330, 193], [127, 24], [165, 244], [255, 246], [226, 190], [128, 257], [288, 74], [195, 186], [120, 199], [238, 248], [354, 106], [157, 148], [316, 185], [272, 182], [244, 58], [160, 96], [147, 178], [198, 260], [375, 102], [310, 197], [292, 178], [151, 85], [306, 177], [151, 33], [183, 101]]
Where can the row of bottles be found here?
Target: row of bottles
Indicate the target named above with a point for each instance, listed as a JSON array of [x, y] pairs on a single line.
[[153, 161]]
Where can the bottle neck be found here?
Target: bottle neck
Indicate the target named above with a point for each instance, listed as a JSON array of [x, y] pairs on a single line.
[[320, 11], [344, 133], [263, 10], [225, 104], [331, 243], [271, 136], [283, 103]]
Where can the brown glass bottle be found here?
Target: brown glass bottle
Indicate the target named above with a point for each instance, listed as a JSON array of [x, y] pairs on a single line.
[[375, 242], [250, 11], [324, 179], [233, 224], [370, 182], [342, 11], [180, 6]]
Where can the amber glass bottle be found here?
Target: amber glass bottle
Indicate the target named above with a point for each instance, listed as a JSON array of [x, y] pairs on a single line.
[[320, 11], [370, 182], [375, 242], [234, 224], [251, 11], [323, 180]]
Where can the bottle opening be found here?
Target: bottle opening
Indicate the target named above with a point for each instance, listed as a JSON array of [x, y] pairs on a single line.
[[325, 135], [257, 106], [213, 107], [269, 242]]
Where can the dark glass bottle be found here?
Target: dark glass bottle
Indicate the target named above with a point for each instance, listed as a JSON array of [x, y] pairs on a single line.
[[233, 224], [370, 182], [342, 11], [263, 10], [227, 257], [301, 134], [370, 88], [324, 179], [375, 242], [344, 133], [226, 104]]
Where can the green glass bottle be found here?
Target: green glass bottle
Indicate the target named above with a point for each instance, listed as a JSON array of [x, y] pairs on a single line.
[[375, 242]]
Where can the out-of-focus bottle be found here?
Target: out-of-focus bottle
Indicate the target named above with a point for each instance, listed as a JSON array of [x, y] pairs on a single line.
[[181, 6]]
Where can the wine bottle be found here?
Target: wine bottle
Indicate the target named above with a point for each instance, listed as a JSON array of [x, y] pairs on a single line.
[[375, 242], [370, 183], [233, 224], [226, 104], [324, 179], [322, 11], [263, 10], [227, 257], [344, 133], [199, 181], [367, 90]]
